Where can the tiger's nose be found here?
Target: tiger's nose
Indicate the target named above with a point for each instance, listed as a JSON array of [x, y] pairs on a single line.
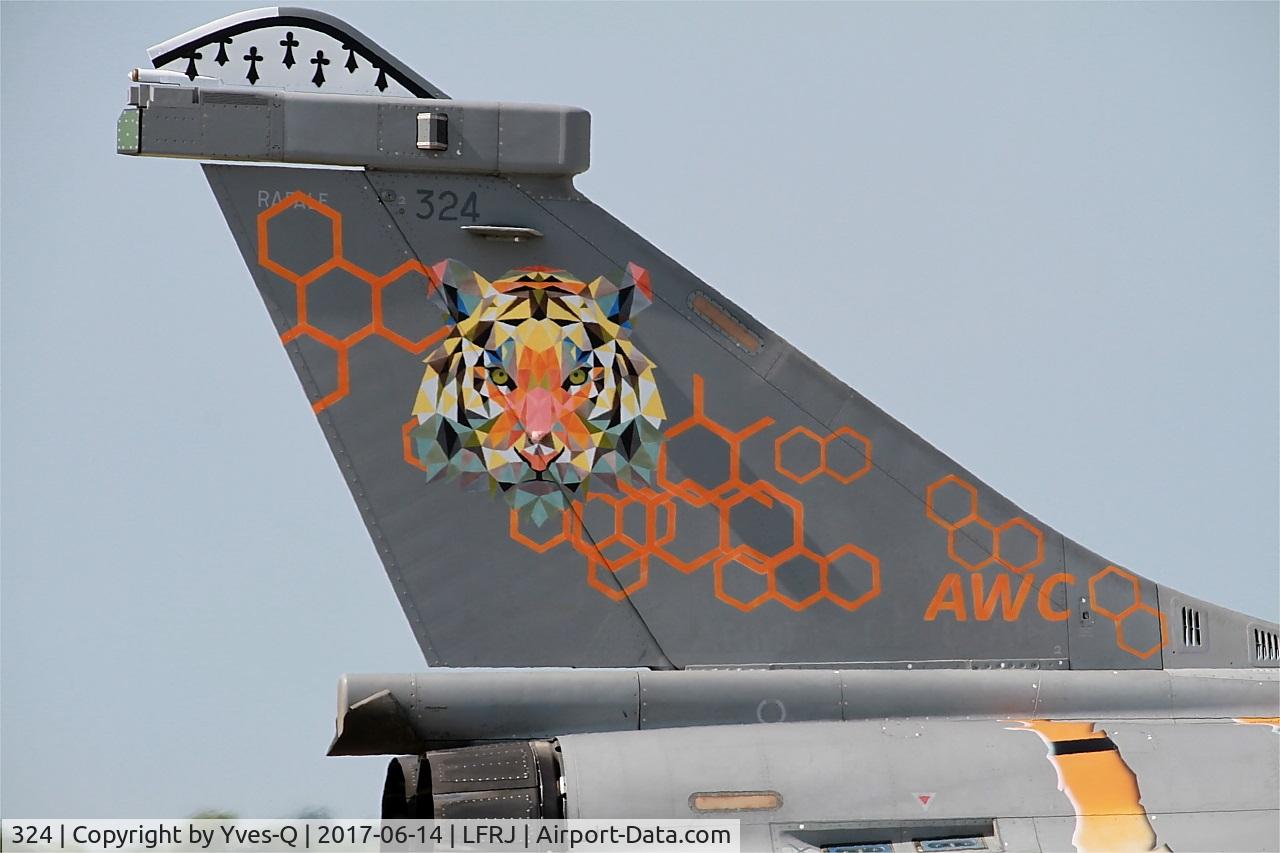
[[538, 413]]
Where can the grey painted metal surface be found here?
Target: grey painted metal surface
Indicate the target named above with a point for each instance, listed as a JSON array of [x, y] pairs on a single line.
[[241, 123], [873, 772], [789, 521], [462, 706], [793, 597], [920, 605]]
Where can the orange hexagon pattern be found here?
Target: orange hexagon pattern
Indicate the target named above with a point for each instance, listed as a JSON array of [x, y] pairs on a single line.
[[952, 503], [745, 578], [968, 528], [823, 443], [298, 203], [1134, 606], [624, 554], [618, 563]]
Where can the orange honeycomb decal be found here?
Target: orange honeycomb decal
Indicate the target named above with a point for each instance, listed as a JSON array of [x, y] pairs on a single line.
[[373, 285], [640, 524], [1018, 528], [856, 470], [734, 440], [1017, 545], [823, 463], [804, 580], [630, 531], [1133, 607], [796, 435], [973, 541], [538, 547], [976, 530], [767, 496], [406, 444], [863, 563], [953, 484]]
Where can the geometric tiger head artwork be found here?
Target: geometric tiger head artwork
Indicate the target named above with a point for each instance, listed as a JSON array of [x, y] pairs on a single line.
[[538, 393]]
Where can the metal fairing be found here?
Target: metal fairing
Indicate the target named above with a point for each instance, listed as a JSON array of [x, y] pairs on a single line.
[[863, 781], [569, 451]]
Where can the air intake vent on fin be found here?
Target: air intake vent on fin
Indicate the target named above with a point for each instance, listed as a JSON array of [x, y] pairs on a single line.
[[1191, 636], [1266, 646]]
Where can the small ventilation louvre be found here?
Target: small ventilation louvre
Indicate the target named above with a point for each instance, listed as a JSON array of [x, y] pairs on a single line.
[[1191, 637], [1266, 645]]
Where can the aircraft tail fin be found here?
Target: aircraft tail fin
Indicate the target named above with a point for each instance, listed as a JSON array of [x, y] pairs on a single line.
[[569, 451]]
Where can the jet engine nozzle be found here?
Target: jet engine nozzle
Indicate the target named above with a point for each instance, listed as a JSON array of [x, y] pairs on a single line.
[[492, 781]]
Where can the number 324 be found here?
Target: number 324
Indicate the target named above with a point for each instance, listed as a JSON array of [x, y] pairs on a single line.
[[443, 205]]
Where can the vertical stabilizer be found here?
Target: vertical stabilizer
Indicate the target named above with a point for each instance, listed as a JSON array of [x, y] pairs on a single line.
[[570, 451]]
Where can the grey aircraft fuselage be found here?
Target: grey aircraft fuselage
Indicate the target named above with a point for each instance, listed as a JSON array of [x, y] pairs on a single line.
[[718, 581]]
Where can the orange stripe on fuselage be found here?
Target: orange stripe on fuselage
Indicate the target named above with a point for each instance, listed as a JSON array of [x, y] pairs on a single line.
[[1274, 722], [1102, 789]]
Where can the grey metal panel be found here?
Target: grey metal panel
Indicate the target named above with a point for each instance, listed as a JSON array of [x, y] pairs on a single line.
[[810, 386], [1226, 830], [1207, 831], [473, 136], [1200, 765], [1225, 637], [445, 705], [353, 130], [530, 138], [441, 581], [1223, 693], [824, 771], [1116, 693], [614, 240], [1115, 617], [332, 127], [242, 130], [678, 698], [1018, 834], [1264, 641], [864, 774], [921, 693], [477, 705]]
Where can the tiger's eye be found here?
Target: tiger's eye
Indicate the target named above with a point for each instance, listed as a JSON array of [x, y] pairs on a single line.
[[577, 377], [499, 376]]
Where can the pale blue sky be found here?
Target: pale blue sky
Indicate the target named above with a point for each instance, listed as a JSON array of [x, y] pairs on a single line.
[[184, 575]]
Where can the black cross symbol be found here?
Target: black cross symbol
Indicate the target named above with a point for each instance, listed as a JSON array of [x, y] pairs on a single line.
[[351, 65], [221, 58], [191, 64], [252, 57], [289, 44], [319, 62]]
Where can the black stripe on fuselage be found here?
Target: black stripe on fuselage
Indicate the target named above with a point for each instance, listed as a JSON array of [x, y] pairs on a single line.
[[1074, 747]]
